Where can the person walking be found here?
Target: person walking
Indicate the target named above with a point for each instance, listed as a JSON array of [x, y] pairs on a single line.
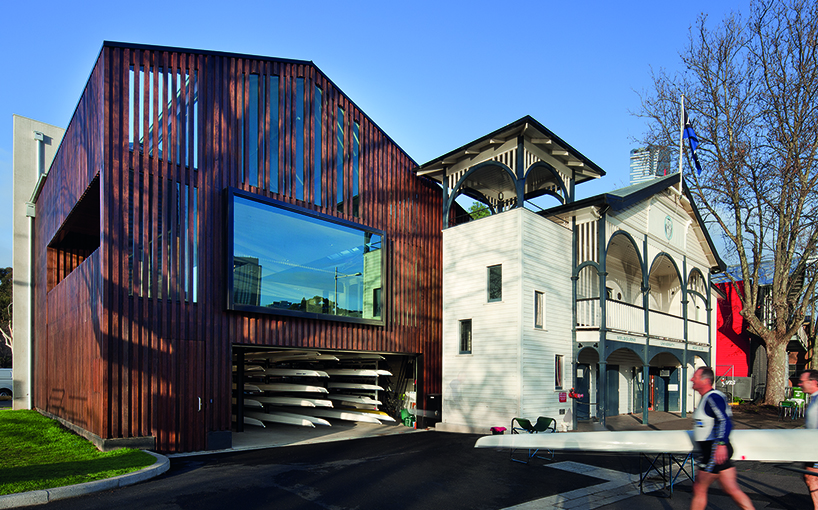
[[712, 423], [809, 383]]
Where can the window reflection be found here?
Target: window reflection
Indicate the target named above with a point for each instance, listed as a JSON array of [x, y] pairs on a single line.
[[291, 263]]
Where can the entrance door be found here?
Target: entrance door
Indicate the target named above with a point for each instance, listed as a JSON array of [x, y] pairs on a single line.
[[660, 379], [612, 390], [582, 386], [638, 388], [674, 390]]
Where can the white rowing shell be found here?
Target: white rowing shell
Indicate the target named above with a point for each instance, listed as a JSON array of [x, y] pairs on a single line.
[[290, 387], [295, 372], [352, 372], [354, 386], [764, 445], [288, 418], [377, 414], [251, 421], [343, 415], [249, 402], [355, 399], [247, 387], [293, 401]]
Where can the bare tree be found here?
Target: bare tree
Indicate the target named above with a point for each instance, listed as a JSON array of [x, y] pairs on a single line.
[[751, 85], [6, 283], [8, 336]]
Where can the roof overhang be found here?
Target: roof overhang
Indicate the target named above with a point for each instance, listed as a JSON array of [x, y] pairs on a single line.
[[537, 139]]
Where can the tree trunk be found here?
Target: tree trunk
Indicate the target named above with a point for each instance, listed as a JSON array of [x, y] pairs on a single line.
[[778, 367]]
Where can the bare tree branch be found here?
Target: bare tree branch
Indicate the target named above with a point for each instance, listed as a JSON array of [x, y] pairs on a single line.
[[751, 84]]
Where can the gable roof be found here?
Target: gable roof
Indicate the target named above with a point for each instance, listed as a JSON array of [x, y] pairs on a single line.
[[620, 199], [534, 132]]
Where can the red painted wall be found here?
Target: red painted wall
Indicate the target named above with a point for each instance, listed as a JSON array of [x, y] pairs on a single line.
[[733, 340]]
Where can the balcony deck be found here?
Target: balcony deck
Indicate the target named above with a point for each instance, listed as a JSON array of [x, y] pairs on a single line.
[[630, 319]]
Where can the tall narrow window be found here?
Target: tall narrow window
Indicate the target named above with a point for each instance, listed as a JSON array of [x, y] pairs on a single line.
[[465, 336], [252, 132], [188, 118], [317, 125], [539, 310], [150, 112], [339, 162], [558, 372], [299, 138], [187, 244], [131, 122], [169, 116], [141, 88], [355, 167], [195, 116], [160, 116], [179, 115], [495, 283], [272, 153], [242, 134]]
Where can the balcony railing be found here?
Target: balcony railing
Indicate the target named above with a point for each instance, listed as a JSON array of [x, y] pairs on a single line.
[[588, 313], [666, 325], [697, 332], [626, 317]]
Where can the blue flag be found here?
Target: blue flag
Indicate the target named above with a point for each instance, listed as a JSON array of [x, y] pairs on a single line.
[[694, 142]]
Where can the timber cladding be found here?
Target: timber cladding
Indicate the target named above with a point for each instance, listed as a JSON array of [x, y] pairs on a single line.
[[133, 338]]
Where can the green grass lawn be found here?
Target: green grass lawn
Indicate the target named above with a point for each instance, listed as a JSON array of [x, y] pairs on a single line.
[[39, 453]]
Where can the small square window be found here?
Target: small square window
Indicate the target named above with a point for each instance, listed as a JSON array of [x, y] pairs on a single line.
[[539, 310], [558, 371], [465, 336], [495, 283]]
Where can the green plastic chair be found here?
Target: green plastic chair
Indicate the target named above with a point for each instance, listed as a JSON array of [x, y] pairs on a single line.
[[543, 424]]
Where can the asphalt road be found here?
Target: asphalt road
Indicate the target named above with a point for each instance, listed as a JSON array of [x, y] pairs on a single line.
[[430, 470]]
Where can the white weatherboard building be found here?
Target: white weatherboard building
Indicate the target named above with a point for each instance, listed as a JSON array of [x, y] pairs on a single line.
[[608, 295]]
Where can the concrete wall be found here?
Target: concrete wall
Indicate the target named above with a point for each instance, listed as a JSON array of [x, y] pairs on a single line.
[[25, 170]]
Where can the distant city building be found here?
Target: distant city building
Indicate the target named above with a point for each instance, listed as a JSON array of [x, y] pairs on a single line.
[[649, 163], [247, 281]]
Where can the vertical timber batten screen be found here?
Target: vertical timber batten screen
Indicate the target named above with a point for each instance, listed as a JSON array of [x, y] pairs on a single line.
[[166, 131]]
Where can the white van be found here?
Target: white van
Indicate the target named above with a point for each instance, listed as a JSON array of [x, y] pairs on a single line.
[[5, 383]]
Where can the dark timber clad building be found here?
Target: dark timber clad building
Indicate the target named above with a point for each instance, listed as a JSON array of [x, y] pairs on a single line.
[[203, 205]]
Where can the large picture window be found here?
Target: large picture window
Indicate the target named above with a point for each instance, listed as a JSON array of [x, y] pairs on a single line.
[[290, 261]]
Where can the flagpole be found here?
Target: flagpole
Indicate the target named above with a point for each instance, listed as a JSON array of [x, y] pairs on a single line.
[[681, 140]]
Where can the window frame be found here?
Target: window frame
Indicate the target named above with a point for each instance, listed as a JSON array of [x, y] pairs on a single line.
[[559, 371], [489, 298], [539, 310], [460, 345], [230, 193]]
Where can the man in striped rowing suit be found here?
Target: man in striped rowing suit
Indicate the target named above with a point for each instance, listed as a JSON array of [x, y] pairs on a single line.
[[712, 422], [809, 383]]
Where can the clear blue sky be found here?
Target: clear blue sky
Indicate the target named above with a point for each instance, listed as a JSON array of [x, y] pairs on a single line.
[[433, 75]]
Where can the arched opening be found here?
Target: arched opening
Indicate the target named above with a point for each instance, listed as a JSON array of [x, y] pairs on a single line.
[[585, 383], [623, 390], [624, 311], [543, 180], [697, 330], [665, 299], [588, 315], [490, 183]]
